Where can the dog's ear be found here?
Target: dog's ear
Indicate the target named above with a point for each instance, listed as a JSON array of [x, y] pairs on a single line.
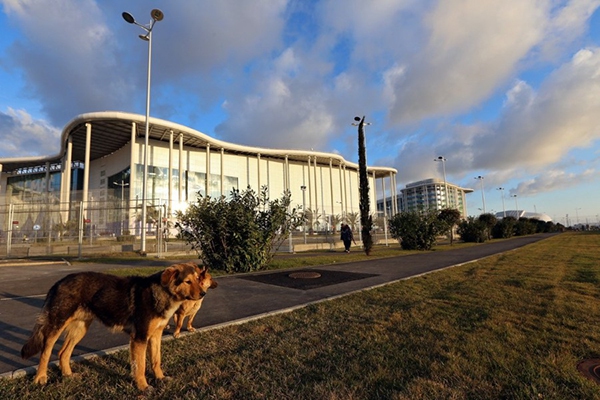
[[168, 275], [201, 269], [213, 284]]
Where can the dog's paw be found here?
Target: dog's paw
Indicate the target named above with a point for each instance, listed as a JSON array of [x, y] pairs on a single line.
[[191, 329], [72, 375], [176, 335], [148, 390], [41, 379]]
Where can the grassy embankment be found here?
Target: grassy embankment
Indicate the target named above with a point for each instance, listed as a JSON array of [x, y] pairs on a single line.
[[511, 326]]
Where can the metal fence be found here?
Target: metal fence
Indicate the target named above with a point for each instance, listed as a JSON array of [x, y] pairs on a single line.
[[36, 228]]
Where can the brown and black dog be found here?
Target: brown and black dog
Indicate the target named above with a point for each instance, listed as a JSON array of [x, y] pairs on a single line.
[[189, 308], [139, 306]]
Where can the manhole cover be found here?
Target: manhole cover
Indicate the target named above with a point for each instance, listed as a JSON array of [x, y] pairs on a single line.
[[590, 369], [306, 279], [305, 275]]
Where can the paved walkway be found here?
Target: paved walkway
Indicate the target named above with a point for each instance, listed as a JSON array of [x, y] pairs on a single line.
[[236, 300]]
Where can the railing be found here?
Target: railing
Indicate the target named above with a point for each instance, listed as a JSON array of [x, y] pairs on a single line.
[[51, 228]]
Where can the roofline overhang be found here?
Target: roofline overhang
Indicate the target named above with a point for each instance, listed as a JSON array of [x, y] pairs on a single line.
[[71, 126]]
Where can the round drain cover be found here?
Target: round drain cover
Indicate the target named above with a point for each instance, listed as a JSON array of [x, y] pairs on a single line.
[[305, 275], [590, 369]]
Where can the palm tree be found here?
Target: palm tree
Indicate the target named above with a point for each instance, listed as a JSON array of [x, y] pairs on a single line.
[[312, 218], [352, 220], [335, 219]]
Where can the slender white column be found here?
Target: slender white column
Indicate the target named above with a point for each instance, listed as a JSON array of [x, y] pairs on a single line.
[[222, 171], [309, 188], [346, 190], [66, 183], [207, 175], [374, 202], [316, 191], [331, 186], [258, 171], [384, 198], [322, 195], [86, 166], [181, 175], [132, 163], [342, 199], [286, 174], [170, 177], [394, 193]]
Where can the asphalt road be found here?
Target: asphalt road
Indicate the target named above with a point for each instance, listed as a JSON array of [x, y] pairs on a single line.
[[237, 299]]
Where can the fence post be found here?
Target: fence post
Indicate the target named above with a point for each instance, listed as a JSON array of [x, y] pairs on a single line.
[[80, 238], [11, 211], [159, 233]]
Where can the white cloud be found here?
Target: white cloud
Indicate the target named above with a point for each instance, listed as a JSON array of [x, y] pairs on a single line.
[[65, 56], [536, 130], [551, 180], [23, 135], [539, 128], [473, 47]]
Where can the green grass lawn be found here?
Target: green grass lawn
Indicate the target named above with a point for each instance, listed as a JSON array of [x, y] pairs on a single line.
[[512, 326]]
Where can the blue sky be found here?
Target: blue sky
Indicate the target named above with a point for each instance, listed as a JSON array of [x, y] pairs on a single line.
[[509, 90]]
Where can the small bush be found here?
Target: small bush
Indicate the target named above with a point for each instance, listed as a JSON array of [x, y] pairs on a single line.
[[415, 230], [473, 230], [239, 234], [504, 228]]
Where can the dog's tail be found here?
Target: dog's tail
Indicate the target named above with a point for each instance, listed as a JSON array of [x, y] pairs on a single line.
[[35, 343]]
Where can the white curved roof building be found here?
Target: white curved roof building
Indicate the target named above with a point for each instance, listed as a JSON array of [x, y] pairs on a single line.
[[524, 214], [106, 153]]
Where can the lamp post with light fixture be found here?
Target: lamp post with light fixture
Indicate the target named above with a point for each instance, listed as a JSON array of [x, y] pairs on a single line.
[[443, 161], [122, 187], [482, 194], [157, 15], [516, 204], [501, 189]]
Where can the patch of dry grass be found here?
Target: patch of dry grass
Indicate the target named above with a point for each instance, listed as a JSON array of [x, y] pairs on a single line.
[[512, 326]]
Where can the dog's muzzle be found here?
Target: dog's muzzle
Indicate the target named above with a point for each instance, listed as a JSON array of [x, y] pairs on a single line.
[[200, 296]]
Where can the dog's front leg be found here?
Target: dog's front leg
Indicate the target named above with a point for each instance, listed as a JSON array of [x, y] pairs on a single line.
[[137, 356], [154, 350]]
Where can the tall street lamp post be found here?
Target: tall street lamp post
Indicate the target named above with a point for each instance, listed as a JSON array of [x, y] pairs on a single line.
[[443, 161], [482, 194], [501, 189], [516, 204], [156, 15]]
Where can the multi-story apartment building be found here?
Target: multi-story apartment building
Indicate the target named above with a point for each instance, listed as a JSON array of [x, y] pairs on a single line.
[[429, 194]]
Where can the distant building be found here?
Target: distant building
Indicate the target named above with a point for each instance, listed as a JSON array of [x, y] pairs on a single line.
[[429, 194], [524, 214]]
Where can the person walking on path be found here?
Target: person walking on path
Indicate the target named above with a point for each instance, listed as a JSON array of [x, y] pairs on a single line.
[[347, 237]]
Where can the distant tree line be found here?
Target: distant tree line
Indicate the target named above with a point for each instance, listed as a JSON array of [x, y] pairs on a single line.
[[419, 230]]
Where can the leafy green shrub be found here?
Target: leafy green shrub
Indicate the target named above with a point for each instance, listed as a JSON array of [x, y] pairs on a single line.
[[489, 220], [239, 234], [473, 230], [525, 226], [415, 230], [449, 218], [504, 228]]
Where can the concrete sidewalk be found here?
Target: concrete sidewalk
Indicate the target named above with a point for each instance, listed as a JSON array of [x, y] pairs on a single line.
[[238, 299]]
